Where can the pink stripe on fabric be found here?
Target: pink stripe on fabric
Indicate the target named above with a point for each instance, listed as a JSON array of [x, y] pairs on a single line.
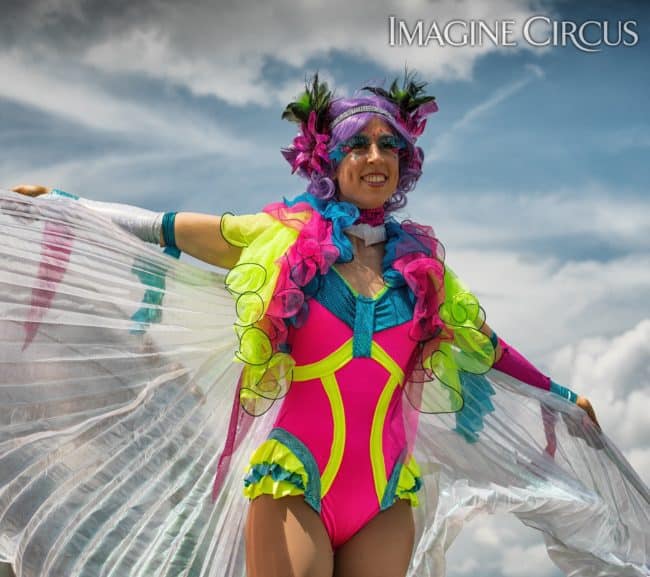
[[239, 424], [55, 256]]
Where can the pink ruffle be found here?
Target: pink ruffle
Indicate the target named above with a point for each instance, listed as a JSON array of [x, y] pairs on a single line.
[[308, 152], [312, 253], [425, 277]]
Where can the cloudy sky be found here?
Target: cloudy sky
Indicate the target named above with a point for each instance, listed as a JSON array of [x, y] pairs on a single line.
[[536, 175]]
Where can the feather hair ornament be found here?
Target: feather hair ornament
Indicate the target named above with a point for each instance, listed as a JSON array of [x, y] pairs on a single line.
[[316, 97], [308, 152], [413, 104]]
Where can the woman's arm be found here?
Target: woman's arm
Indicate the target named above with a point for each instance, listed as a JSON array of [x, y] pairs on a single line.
[[510, 361], [198, 235]]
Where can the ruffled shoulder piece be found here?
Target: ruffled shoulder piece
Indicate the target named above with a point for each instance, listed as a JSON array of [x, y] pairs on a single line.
[[285, 251], [447, 319]]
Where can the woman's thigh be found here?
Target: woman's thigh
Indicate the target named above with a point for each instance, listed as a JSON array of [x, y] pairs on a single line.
[[286, 538], [382, 548]]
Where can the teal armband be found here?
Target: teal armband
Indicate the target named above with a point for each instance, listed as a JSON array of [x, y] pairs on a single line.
[[169, 236], [62, 193], [565, 392]]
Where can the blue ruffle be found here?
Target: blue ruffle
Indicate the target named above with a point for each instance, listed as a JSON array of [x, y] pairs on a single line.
[[276, 472], [390, 494], [399, 243], [340, 214]]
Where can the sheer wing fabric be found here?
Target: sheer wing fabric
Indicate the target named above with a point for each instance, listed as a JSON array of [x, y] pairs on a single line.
[[116, 386]]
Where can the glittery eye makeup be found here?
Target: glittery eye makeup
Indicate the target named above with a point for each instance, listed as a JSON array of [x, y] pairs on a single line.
[[390, 142], [359, 144]]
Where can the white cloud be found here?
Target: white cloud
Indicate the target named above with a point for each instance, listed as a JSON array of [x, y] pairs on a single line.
[[542, 304], [499, 218], [525, 561], [221, 49], [541, 299], [71, 95]]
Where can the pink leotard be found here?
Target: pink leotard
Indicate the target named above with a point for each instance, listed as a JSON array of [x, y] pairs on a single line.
[[342, 417]]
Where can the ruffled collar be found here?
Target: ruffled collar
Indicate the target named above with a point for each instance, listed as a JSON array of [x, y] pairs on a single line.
[[400, 243]]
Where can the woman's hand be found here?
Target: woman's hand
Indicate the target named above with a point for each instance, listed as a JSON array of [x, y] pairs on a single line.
[[585, 405], [31, 189]]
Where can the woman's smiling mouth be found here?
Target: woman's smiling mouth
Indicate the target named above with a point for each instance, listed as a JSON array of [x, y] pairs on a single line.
[[374, 179]]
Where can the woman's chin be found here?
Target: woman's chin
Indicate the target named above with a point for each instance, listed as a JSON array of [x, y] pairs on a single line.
[[367, 201]]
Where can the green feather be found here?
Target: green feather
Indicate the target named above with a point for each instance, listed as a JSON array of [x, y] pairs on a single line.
[[316, 97], [408, 97]]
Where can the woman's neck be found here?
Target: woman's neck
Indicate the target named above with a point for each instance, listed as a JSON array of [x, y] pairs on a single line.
[[371, 216]]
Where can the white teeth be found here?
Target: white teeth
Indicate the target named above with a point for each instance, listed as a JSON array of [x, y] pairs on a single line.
[[374, 178]]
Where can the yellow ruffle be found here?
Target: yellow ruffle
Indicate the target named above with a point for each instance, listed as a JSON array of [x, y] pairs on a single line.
[[273, 452], [409, 482], [264, 240], [463, 313], [252, 281]]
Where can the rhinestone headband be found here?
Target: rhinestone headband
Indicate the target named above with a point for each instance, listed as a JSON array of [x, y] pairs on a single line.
[[358, 110]]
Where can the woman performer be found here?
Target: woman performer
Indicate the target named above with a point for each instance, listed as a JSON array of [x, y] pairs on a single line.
[[356, 323]]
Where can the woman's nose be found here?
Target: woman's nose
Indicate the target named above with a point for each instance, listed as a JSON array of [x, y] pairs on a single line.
[[373, 152]]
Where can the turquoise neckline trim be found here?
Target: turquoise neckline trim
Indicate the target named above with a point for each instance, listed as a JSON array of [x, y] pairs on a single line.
[[394, 306]]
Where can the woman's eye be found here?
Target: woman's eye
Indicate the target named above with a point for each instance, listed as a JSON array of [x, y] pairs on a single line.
[[389, 143], [358, 142]]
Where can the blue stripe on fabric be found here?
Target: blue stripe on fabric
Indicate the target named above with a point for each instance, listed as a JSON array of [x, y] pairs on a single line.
[[477, 404], [63, 193], [154, 276]]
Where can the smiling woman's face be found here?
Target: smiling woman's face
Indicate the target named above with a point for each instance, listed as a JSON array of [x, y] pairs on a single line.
[[368, 174]]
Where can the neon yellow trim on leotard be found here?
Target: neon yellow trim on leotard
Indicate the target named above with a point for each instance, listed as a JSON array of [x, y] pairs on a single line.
[[329, 365], [324, 370], [379, 418], [376, 437], [386, 361], [338, 436]]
